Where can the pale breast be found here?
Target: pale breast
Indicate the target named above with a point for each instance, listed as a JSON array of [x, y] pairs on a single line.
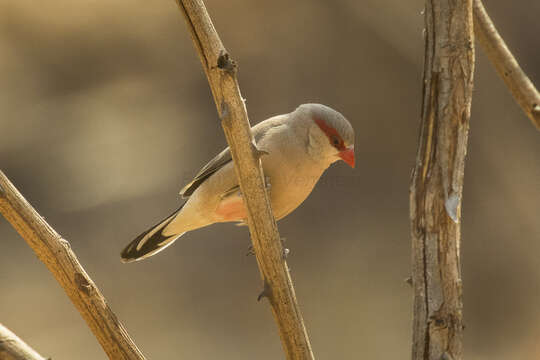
[[292, 178]]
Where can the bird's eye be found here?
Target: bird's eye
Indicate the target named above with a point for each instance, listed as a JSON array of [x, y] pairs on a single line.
[[335, 141]]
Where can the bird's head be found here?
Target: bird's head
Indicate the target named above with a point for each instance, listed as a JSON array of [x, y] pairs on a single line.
[[330, 137]]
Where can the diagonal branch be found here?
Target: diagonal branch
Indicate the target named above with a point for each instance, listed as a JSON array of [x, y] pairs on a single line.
[[221, 73], [521, 87], [437, 181], [55, 252], [13, 348]]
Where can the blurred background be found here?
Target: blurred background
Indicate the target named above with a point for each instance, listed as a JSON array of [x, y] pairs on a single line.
[[105, 113]]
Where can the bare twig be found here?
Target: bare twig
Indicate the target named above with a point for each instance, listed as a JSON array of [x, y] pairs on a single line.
[[13, 348], [523, 90], [57, 255], [437, 181], [220, 70]]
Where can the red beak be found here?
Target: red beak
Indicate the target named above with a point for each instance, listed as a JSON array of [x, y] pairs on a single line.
[[347, 155]]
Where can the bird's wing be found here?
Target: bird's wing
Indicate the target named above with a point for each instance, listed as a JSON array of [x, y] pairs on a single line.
[[224, 157], [214, 165]]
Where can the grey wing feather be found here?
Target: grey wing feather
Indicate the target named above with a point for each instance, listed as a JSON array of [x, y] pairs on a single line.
[[224, 157], [214, 165]]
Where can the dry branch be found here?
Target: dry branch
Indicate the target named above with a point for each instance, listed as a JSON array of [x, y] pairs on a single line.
[[221, 73], [520, 86], [55, 252], [13, 348], [437, 181]]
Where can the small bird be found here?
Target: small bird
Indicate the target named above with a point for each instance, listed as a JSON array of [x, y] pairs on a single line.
[[301, 145]]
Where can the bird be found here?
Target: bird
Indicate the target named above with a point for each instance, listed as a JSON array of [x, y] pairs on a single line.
[[299, 147]]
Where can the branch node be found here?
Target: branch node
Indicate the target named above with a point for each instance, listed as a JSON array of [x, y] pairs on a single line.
[[83, 284], [408, 281], [64, 243], [438, 322], [266, 292], [226, 63]]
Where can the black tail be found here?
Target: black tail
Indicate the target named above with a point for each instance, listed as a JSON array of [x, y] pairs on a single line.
[[151, 241]]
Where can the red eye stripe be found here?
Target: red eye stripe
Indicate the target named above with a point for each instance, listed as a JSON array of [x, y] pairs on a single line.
[[331, 133]]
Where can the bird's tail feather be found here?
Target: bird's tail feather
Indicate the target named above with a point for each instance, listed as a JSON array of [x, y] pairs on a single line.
[[151, 241]]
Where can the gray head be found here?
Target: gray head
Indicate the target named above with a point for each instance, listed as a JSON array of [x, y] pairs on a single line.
[[330, 137]]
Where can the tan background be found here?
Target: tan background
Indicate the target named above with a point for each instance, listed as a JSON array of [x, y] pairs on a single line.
[[105, 113]]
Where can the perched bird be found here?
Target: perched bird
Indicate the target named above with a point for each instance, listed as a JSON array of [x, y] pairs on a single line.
[[301, 145]]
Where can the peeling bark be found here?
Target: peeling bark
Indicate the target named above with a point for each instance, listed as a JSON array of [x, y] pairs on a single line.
[[437, 180]]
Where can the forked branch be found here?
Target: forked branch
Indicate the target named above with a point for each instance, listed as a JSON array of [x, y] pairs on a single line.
[[220, 70]]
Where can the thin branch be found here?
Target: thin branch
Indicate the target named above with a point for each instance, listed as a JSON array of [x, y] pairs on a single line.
[[437, 181], [13, 348], [220, 70], [521, 87], [55, 252]]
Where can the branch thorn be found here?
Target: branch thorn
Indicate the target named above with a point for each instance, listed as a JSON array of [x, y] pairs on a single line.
[[266, 292], [408, 280], [225, 63]]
